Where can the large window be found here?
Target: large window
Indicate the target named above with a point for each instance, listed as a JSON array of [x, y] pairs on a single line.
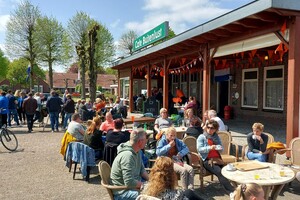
[[273, 87], [250, 89], [193, 84]]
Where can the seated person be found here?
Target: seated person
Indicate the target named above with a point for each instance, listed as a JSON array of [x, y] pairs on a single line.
[[188, 115], [108, 123], [93, 137], [165, 188], [195, 128], [207, 144], [257, 143], [100, 106], [116, 135], [75, 127], [174, 148], [162, 122], [127, 168], [249, 191], [212, 114]]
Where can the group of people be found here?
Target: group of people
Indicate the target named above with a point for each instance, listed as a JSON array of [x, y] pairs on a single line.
[[161, 182], [21, 107]]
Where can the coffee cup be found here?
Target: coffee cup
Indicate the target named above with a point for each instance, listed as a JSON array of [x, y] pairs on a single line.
[[230, 166]]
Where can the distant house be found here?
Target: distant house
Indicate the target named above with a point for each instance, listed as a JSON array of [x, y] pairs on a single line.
[[42, 86], [61, 81]]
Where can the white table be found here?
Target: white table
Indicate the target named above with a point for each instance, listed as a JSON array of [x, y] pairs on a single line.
[[265, 177]]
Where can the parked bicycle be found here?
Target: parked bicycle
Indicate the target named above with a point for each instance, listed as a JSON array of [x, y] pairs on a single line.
[[8, 139]]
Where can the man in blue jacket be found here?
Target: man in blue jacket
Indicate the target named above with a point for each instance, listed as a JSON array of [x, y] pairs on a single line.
[[12, 108], [3, 108], [54, 106], [174, 148]]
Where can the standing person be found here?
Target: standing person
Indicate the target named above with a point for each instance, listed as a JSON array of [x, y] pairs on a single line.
[[30, 105], [257, 142], [3, 108], [164, 188], [69, 109], [162, 122], [249, 191], [12, 108], [108, 123], [54, 106], [212, 114], [93, 138], [174, 148], [39, 107], [21, 113], [208, 145], [64, 99], [127, 168]]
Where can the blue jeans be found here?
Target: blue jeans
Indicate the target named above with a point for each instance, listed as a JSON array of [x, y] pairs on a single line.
[[67, 117], [54, 120], [257, 156], [127, 195], [15, 114]]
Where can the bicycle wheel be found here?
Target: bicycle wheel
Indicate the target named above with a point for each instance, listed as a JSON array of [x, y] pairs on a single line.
[[9, 140]]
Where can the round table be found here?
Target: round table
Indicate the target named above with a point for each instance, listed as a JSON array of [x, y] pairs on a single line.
[[268, 177]]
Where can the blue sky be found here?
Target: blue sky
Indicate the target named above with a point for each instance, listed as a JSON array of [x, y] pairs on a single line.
[[119, 16]]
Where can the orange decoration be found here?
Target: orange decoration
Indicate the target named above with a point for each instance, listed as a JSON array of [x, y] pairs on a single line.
[[161, 73], [283, 28], [177, 100], [216, 62]]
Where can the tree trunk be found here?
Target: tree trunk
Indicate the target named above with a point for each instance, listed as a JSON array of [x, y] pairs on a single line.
[[50, 75]]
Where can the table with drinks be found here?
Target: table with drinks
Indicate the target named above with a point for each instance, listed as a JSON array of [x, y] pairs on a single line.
[[272, 177]]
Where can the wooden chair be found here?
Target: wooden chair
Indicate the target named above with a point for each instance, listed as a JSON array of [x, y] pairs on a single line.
[[195, 159], [294, 149], [245, 148], [227, 144], [104, 170]]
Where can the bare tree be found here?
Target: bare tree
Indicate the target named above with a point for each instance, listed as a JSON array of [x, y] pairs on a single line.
[[126, 42], [20, 37]]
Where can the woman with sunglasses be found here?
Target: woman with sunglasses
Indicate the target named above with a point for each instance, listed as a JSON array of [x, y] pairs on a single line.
[[209, 144]]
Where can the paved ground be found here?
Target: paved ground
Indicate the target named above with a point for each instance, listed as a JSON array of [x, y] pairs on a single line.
[[37, 171]]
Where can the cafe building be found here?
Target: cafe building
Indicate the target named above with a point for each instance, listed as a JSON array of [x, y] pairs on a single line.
[[248, 59]]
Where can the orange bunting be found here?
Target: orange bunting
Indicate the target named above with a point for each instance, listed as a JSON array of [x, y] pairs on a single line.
[[279, 48], [283, 28], [216, 62], [224, 63], [242, 54], [253, 52], [270, 53], [161, 73]]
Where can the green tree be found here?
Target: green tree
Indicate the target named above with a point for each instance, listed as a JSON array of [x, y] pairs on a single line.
[[126, 42], [53, 43], [17, 73], [4, 62], [20, 41]]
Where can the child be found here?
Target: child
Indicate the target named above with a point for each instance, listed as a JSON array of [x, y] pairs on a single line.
[[249, 191]]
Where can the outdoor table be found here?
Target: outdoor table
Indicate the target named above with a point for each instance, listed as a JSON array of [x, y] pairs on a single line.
[[267, 177], [139, 120]]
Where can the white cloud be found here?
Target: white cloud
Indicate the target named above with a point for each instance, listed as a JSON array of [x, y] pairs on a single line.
[[182, 14]]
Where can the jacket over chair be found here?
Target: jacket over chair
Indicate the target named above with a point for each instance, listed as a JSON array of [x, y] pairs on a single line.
[[78, 152]]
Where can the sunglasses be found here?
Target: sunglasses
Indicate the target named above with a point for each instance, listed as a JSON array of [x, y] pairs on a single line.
[[211, 127]]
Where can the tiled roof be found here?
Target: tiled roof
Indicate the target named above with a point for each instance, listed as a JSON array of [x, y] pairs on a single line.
[[59, 80]]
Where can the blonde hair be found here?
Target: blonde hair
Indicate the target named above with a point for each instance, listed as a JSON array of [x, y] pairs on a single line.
[[245, 191], [258, 126], [17, 93], [188, 111], [163, 110], [170, 130], [161, 177], [93, 124]]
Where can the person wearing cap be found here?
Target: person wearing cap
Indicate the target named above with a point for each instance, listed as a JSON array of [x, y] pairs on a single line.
[[54, 106]]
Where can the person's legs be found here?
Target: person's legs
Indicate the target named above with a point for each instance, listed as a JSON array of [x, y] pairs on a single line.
[[216, 169], [30, 119], [190, 194], [191, 175], [15, 113], [9, 117], [28, 116], [183, 175], [56, 120], [66, 120], [257, 156], [52, 120], [128, 195], [19, 110]]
